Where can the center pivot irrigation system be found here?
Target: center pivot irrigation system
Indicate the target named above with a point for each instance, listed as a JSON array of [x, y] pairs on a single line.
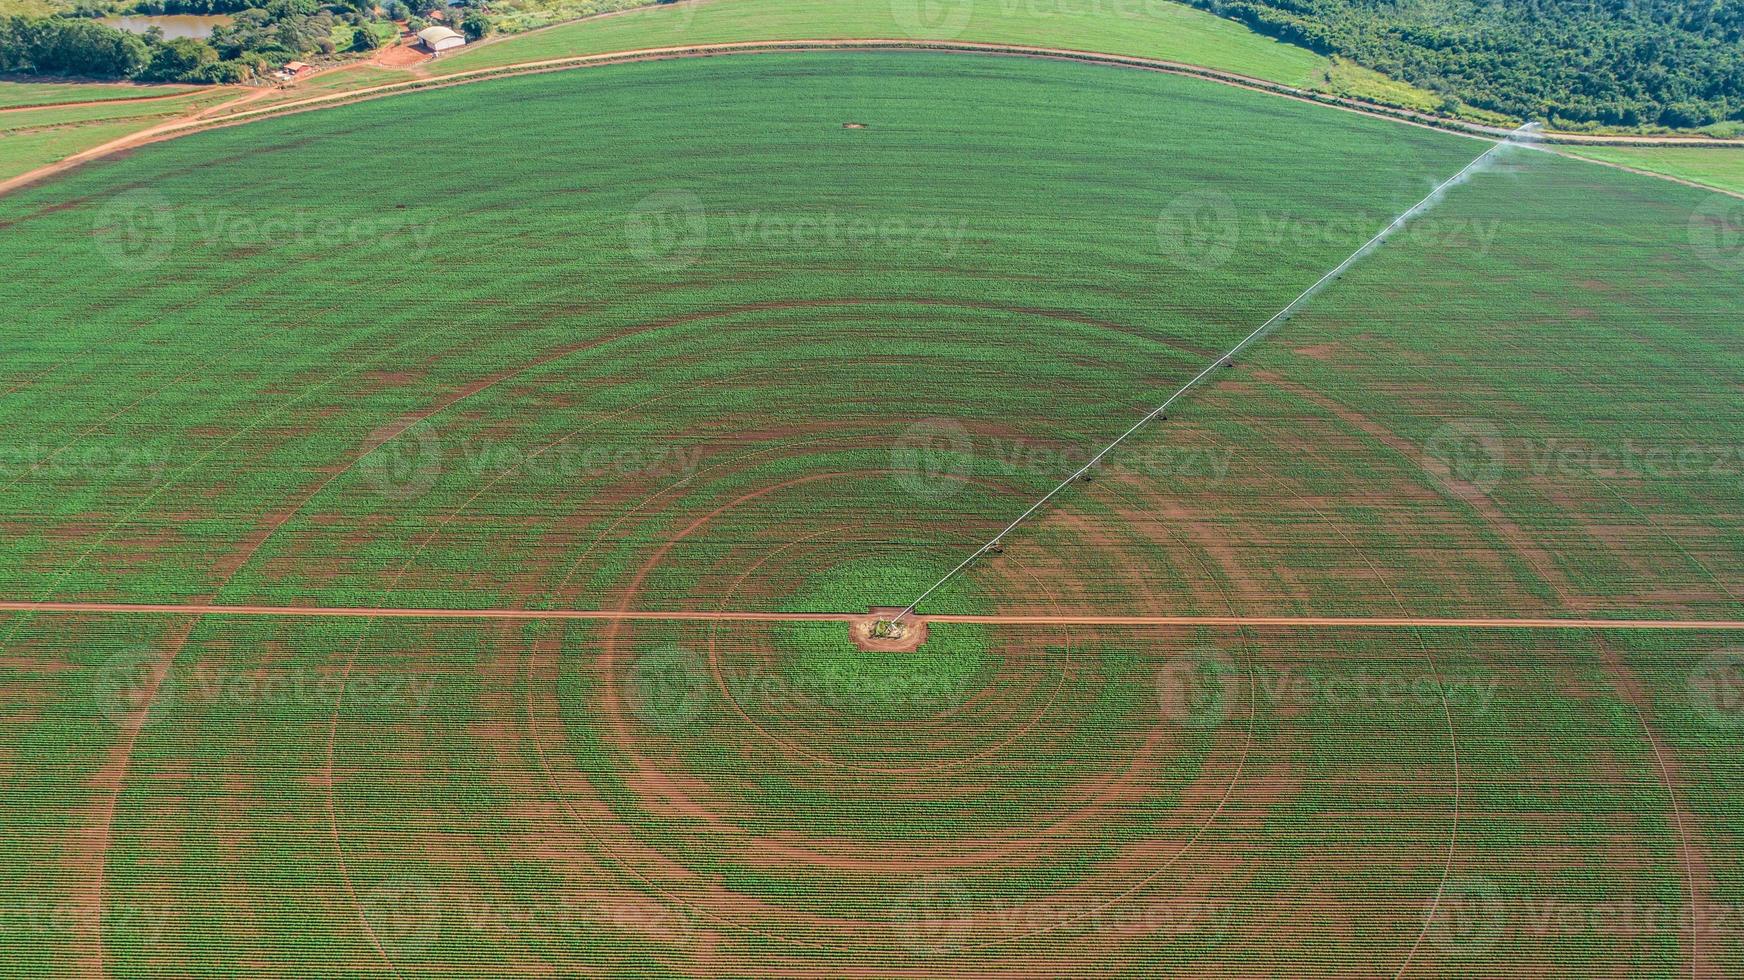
[[1227, 358]]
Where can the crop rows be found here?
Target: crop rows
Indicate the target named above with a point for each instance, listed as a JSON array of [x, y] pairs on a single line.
[[743, 355]]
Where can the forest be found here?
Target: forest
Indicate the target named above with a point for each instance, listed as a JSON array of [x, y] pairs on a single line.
[[1627, 63]]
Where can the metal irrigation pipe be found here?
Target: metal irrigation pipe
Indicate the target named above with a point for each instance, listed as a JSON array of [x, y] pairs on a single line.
[[1227, 358]]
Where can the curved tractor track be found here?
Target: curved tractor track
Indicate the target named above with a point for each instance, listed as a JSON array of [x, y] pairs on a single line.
[[544, 727]]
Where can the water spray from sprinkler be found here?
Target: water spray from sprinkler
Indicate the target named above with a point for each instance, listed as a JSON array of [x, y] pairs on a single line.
[[1525, 135]]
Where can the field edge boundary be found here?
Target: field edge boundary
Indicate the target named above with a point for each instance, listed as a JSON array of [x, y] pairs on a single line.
[[184, 127]]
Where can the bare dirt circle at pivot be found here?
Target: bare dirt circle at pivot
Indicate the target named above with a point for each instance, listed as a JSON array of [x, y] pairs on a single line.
[[888, 629]]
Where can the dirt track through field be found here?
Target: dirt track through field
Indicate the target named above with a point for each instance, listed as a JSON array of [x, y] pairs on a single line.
[[1403, 621], [177, 126], [752, 616]]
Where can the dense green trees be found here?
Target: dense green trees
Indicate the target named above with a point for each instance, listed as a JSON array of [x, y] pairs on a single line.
[[52, 46], [192, 6], [81, 48], [260, 37], [365, 39], [1673, 63], [178, 59], [279, 31]]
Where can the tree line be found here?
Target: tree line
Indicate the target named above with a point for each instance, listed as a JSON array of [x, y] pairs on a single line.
[[59, 46], [1629, 63]]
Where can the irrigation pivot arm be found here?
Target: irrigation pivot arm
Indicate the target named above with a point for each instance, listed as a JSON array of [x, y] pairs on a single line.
[[1404, 218]]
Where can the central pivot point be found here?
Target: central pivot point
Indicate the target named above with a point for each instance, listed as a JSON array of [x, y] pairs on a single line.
[[882, 631]]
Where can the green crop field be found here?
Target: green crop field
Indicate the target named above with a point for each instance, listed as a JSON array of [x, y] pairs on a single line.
[[797, 333], [769, 307], [1719, 167], [77, 115], [52, 93], [1157, 29], [30, 138], [21, 152], [314, 798]]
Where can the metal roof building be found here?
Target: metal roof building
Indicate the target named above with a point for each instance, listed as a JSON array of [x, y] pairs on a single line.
[[440, 39]]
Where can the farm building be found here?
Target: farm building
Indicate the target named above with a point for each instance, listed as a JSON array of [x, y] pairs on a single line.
[[440, 39], [293, 70]]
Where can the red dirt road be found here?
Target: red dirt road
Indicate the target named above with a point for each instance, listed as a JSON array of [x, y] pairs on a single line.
[[703, 616], [177, 126]]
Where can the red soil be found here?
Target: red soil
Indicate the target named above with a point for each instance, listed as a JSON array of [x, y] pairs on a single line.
[[907, 636], [400, 56]]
